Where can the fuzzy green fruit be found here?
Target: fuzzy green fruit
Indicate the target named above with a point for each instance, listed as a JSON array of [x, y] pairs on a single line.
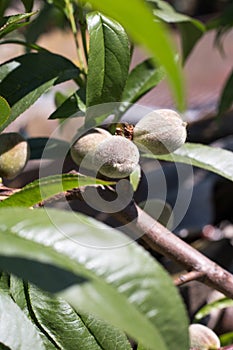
[[160, 132], [14, 154], [203, 338], [86, 145], [116, 157]]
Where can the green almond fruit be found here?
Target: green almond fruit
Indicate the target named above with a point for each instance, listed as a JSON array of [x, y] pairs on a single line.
[[84, 147], [160, 132], [116, 157], [203, 338], [14, 154]]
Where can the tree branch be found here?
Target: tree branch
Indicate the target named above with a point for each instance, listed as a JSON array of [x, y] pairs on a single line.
[[161, 240], [188, 277]]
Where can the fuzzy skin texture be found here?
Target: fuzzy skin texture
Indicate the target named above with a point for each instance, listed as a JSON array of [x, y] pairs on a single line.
[[14, 154], [202, 337], [86, 145], [116, 157], [160, 132]]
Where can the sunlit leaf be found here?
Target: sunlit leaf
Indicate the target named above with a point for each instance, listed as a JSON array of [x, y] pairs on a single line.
[[217, 160], [4, 110], [151, 34], [16, 330], [25, 78], [73, 106], [8, 24], [47, 187], [124, 286], [71, 330], [215, 305], [108, 61]]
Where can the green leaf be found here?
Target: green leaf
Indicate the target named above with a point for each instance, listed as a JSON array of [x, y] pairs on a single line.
[[25, 78], [71, 330], [226, 98], [4, 282], [190, 34], [4, 110], [221, 24], [135, 177], [216, 305], [141, 79], [73, 106], [8, 24], [28, 4], [16, 330], [167, 13], [106, 335], [48, 148], [139, 22], [47, 187], [108, 61], [40, 274], [141, 301], [18, 294], [191, 29], [217, 160], [226, 338], [141, 347]]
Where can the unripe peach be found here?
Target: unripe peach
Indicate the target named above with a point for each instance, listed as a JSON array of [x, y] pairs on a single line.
[[116, 157], [160, 132], [86, 145], [203, 338], [14, 154]]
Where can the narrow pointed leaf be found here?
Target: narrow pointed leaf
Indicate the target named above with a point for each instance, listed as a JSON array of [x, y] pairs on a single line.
[[18, 290], [217, 160], [151, 34], [4, 282], [71, 107], [190, 34], [141, 301], [141, 79], [215, 305], [4, 110], [226, 98], [16, 330], [8, 24], [47, 187], [71, 330], [25, 78], [28, 4], [191, 29]]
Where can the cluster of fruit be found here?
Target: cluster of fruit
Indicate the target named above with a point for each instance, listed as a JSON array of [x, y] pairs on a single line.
[[116, 156]]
